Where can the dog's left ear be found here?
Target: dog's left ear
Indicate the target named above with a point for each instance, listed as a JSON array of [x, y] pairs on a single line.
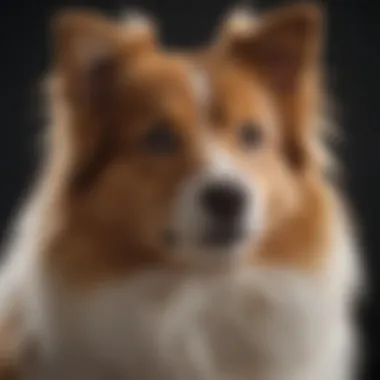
[[281, 45], [284, 51]]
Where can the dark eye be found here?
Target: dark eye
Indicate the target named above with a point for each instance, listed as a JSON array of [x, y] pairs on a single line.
[[161, 140], [250, 135]]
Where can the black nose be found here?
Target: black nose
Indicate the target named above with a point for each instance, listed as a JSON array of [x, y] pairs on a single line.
[[223, 200]]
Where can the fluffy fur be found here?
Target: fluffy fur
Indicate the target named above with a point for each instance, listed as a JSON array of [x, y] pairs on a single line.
[[91, 288]]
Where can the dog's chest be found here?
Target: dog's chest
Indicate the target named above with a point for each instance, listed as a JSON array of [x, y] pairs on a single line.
[[160, 327]]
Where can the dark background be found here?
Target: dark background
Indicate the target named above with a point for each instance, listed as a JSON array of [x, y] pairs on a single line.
[[353, 57]]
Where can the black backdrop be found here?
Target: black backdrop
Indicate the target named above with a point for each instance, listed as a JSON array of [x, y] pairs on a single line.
[[353, 57]]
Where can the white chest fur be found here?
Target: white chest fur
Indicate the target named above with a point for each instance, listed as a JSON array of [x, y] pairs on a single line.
[[255, 325]]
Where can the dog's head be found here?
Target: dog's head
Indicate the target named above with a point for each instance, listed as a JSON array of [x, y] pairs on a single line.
[[196, 156]]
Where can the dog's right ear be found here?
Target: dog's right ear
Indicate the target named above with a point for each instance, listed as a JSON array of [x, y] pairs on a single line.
[[89, 50], [91, 57]]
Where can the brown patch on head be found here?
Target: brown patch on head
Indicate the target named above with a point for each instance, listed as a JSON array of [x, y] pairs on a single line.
[[136, 129]]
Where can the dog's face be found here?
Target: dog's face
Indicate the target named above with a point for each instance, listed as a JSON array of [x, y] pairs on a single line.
[[194, 157], [200, 158]]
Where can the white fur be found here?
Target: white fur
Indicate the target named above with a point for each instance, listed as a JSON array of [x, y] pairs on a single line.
[[136, 23], [190, 220], [240, 21], [250, 324], [200, 84]]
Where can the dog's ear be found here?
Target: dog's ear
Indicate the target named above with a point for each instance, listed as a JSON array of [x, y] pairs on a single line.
[[89, 51], [281, 45], [283, 48], [91, 57]]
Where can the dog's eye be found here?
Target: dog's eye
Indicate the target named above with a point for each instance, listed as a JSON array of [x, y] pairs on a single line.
[[161, 140], [250, 135]]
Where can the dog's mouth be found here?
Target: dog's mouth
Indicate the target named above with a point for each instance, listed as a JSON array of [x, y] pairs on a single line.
[[215, 238], [222, 236]]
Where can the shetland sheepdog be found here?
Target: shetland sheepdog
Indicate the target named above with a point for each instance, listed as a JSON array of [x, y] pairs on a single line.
[[183, 225]]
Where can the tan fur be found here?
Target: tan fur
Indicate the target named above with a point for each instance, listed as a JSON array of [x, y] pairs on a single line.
[[9, 355]]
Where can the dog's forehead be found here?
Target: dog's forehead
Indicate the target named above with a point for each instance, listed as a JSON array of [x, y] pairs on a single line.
[[197, 84], [161, 75]]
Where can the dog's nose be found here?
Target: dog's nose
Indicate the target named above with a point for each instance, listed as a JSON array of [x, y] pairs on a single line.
[[223, 200]]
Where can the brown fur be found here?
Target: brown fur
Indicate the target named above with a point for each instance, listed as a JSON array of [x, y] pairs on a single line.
[[9, 355], [113, 198]]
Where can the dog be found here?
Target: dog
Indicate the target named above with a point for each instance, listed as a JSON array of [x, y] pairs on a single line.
[[183, 225]]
